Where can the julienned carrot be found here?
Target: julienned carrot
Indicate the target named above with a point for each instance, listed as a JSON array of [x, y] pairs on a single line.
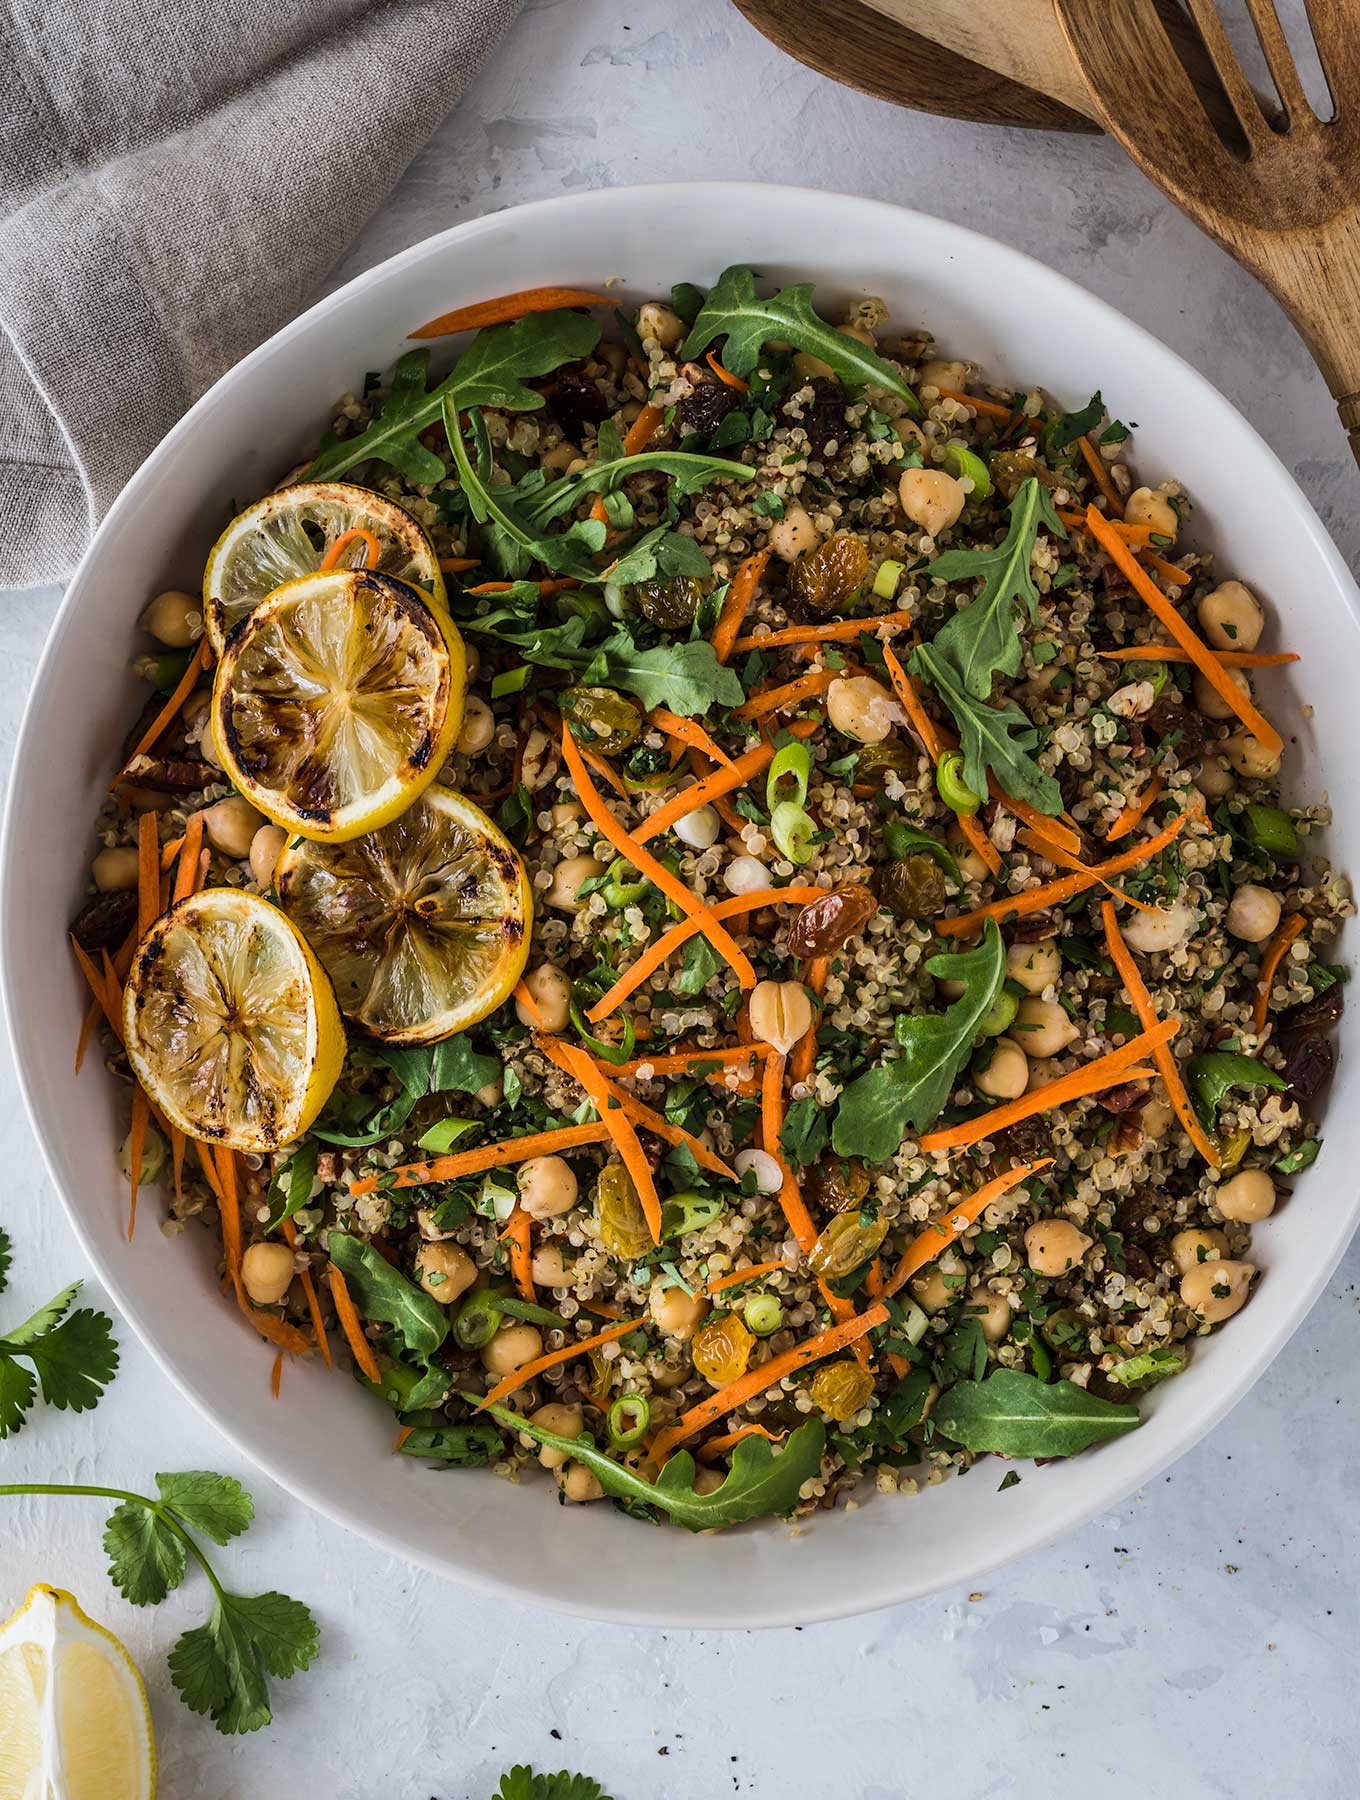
[[352, 1326], [170, 711], [767, 1375], [701, 768], [148, 873], [1167, 571], [1061, 860], [1270, 962], [179, 1143], [682, 1062], [187, 871], [726, 376], [569, 1058], [1131, 534], [648, 866], [804, 1056], [743, 768], [355, 534], [309, 1291], [532, 1370], [276, 1376], [690, 732], [735, 1277], [556, 585], [507, 306], [921, 722], [141, 1113], [229, 1206], [833, 631], [776, 699], [772, 1123], [1100, 473], [1104, 1071], [518, 1236], [979, 842], [108, 1002], [1200, 654], [1231, 659], [992, 408], [611, 775], [620, 1128], [489, 1156], [1141, 1001], [1054, 893], [712, 1448], [87, 1025], [1130, 814], [1053, 830], [942, 1232], [403, 1433], [459, 565], [737, 603]]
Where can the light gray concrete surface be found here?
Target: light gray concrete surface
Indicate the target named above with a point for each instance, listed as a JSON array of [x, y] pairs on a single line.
[[1195, 1644]]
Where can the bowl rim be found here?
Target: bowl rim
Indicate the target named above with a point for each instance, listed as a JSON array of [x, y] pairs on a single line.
[[1099, 1492]]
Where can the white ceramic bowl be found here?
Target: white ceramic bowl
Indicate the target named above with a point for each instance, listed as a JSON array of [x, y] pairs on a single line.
[[326, 1441]]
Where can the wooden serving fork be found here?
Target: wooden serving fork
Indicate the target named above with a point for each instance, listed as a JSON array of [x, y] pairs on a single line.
[[1284, 197]]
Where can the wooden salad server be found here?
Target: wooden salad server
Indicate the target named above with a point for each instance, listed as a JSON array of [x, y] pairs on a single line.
[[1280, 190]]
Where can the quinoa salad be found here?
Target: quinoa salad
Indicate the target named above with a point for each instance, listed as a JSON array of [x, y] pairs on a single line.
[[701, 902]]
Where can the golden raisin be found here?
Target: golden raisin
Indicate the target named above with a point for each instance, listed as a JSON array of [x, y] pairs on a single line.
[[721, 1348], [836, 1183], [828, 923], [841, 1389], [623, 1224], [826, 577], [844, 1244]]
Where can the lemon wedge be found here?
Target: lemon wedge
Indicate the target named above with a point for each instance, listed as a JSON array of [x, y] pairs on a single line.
[[423, 926], [231, 1022], [74, 1722], [337, 701], [292, 532]]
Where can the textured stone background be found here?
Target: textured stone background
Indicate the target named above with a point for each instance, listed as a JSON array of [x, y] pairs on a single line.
[[1193, 1645]]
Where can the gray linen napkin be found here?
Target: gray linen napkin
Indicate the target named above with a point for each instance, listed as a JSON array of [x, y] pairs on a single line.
[[176, 178]]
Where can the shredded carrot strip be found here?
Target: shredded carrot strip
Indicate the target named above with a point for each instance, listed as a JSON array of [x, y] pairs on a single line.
[[980, 842], [229, 1206], [636, 439], [504, 307], [905, 688], [1104, 1071], [775, 699], [1130, 814], [148, 873], [737, 603], [355, 535], [518, 1235], [309, 1291], [1201, 655], [805, 1050], [99, 987], [690, 732], [735, 1277], [352, 1326], [712, 1448], [992, 409], [1231, 659], [276, 1376], [1052, 830], [1061, 860], [601, 767], [726, 376], [767, 1375], [1167, 571], [186, 874], [682, 1062], [702, 768], [568, 1056], [619, 1126], [1141, 1001], [458, 565], [115, 988], [743, 769], [647, 865], [1131, 534], [833, 631], [141, 1113], [1270, 962], [1095, 462], [530, 1005], [87, 1025], [1054, 893], [489, 1156], [938, 1235], [403, 1433], [557, 585], [170, 711], [532, 1370]]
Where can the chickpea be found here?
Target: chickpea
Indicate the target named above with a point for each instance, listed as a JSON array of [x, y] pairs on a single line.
[[812, 368], [445, 1271], [908, 432], [993, 1313], [1006, 1075], [780, 1013], [550, 990], [930, 499], [174, 618], [492, 1094], [566, 812], [559, 459], [1155, 1119], [1042, 1027], [860, 333], [512, 1347], [1042, 1070], [115, 871], [861, 708], [793, 534], [478, 727], [1214, 778], [1034, 966], [472, 662], [430, 1230], [207, 743], [539, 760], [1248, 1198], [266, 847], [971, 865], [1053, 1246], [1253, 913], [699, 829], [1191, 1249], [1211, 703], [1160, 930], [708, 1481], [549, 1266], [1231, 617], [267, 1272], [745, 875], [613, 355], [230, 826], [677, 1314], [931, 1291], [659, 323], [938, 373], [1144, 507], [1217, 1290], [1248, 756], [547, 1187], [578, 1484], [568, 877], [563, 1421]]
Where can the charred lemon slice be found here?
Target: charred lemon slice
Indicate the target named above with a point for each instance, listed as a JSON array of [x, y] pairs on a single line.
[[337, 700], [231, 1022], [423, 926], [299, 530]]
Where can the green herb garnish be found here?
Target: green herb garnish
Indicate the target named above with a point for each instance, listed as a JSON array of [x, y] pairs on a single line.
[[1014, 1414], [72, 1356]]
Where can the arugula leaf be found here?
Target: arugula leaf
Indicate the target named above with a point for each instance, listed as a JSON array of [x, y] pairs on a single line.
[[992, 737], [456, 1446], [492, 371], [761, 1480], [290, 1188], [1144, 1369], [568, 552], [982, 641], [381, 1293], [876, 1111], [690, 471], [521, 1783], [74, 1358], [734, 310], [1015, 1414], [455, 1067], [1215, 1072], [219, 1668]]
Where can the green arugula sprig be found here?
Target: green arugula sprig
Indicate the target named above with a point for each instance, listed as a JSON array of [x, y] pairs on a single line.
[[72, 1356], [996, 738], [218, 1668], [521, 1783], [733, 310], [1012, 1413]]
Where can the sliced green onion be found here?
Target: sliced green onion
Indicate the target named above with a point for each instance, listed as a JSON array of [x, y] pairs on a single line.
[[494, 1201], [525, 1309], [763, 1314], [610, 1053], [1271, 828], [629, 1417], [793, 762], [510, 681], [683, 1213], [953, 790], [616, 600], [618, 892], [793, 831], [886, 578], [963, 464], [915, 1323], [1000, 1015], [441, 1137], [477, 1320]]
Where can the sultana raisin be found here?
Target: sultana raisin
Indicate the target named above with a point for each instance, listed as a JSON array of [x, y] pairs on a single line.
[[827, 576], [830, 922]]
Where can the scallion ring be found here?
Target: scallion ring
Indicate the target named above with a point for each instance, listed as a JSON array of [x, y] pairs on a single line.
[[763, 1314], [792, 763], [964, 466], [886, 577], [619, 892], [629, 1417], [477, 1320], [952, 788], [793, 831]]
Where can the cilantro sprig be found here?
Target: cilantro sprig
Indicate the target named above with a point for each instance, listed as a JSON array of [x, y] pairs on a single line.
[[521, 1783], [220, 1667], [71, 1356]]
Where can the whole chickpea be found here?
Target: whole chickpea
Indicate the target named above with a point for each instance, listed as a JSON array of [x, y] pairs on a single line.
[[1211, 703], [993, 1313], [559, 459], [660, 323], [676, 1313], [174, 618], [207, 743], [1231, 617], [566, 812], [1217, 1290], [1034, 966], [1248, 1198], [708, 1480], [472, 662], [549, 1266], [780, 1013], [567, 880], [230, 826], [267, 1272], [931, 1291], [860, 333], [812, 368], [478, 727], [930, 499], [266, 847], [861, 708], [1053, 1246], [1214, 778], [1006, 1074], [115, 871], [512, 1347], [1190, 1249], [491, 1094], [547, 1187], [971, 865], [1154, 1119], [563, 1421], [936, 372], [1161, 930], [1253, 913], [1042, 1027], [793, 534], [1145, 507], [578, 1484], [1248, 756], [445, 1271], [550, 990]]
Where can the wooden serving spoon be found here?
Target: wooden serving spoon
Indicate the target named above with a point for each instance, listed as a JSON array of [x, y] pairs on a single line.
[[1281, 193]]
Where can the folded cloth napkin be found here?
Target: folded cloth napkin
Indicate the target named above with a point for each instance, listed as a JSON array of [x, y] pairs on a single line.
[[176, 178]]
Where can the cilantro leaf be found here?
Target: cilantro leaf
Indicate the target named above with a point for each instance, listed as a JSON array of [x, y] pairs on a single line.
[[1065, 430], [146, 1554], [6, 1254], [42, 1321], [76, 1361], [700, 966], [804, 1134], [521, 1783], [996, 738], [216, 1505], [17, 1388], [381, 1292], [733, 310], [219, 1668]]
